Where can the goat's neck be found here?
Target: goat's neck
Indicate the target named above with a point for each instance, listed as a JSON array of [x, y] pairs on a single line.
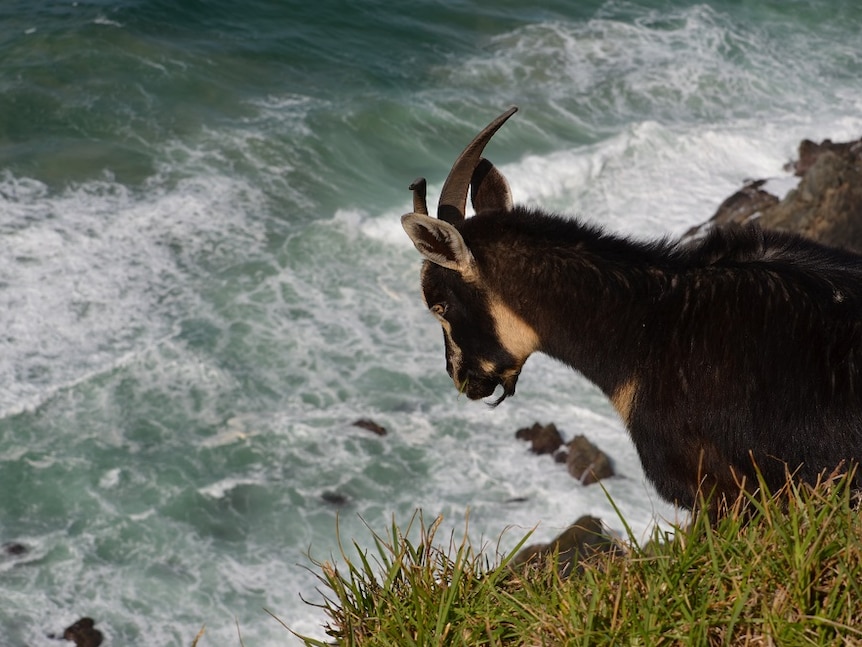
[[588, 303]]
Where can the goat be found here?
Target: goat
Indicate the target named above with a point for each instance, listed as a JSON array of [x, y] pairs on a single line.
[[735, 353]]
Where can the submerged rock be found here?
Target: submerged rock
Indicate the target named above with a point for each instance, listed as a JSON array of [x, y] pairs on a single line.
[[83, 633], [14, 549], [370, 425], [335, 498]]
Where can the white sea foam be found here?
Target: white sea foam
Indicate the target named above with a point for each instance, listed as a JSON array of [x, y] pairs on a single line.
[[218, 489], [103, 20], [90, 276]]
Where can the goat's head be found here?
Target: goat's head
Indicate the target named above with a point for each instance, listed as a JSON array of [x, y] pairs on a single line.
[[486, 344]]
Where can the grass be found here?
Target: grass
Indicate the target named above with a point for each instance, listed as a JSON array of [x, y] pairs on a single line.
[[781, 569]]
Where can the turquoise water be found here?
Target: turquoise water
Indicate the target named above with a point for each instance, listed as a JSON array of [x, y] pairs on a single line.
[[203, 280]]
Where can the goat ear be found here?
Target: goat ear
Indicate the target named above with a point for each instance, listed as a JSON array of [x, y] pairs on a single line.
[[439, 242], [489, 189]]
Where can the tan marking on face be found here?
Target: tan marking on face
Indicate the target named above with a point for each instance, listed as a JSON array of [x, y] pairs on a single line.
[[455, 354], [515, 334], [624, 397]]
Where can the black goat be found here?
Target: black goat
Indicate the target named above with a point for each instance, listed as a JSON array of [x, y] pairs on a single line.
[[741, 349]]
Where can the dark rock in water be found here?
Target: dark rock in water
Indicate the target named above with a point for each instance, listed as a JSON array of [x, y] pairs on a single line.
[[826, 205], [544, 439], [83, 633], [583, 538], [334, 498], [370, 425], [15, 549], [586, 462]]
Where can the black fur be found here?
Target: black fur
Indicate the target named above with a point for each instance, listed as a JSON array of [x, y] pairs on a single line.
[[744, 345]]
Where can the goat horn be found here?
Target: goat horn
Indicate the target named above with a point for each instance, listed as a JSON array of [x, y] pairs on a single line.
[[418, 187], [453, 196]]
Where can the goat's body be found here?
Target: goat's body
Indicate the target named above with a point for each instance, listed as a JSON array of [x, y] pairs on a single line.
[[747, 344], [737, 353]]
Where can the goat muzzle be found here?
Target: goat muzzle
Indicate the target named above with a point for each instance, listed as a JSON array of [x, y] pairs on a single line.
[[478, 386]]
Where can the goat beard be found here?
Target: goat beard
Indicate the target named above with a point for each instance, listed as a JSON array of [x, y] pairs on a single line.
[[508, 383]]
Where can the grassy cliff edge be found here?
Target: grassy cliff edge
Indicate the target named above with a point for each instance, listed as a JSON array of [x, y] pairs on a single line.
[[782, 569]]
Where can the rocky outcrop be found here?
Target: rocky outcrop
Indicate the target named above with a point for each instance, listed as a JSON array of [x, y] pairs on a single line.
[[825, 206], [750, 201], [583, 538], [810, 152]]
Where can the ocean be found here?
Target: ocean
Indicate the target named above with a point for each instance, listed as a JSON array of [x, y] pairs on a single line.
[[204, 281]]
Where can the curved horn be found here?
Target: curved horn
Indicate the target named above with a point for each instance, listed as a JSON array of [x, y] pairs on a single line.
[[453, 196], [419, 187]]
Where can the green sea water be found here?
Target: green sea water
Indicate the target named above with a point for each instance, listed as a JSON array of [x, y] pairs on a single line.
[[203, 280]]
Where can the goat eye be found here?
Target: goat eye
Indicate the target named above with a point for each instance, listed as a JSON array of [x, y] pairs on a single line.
[[439, 309]]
